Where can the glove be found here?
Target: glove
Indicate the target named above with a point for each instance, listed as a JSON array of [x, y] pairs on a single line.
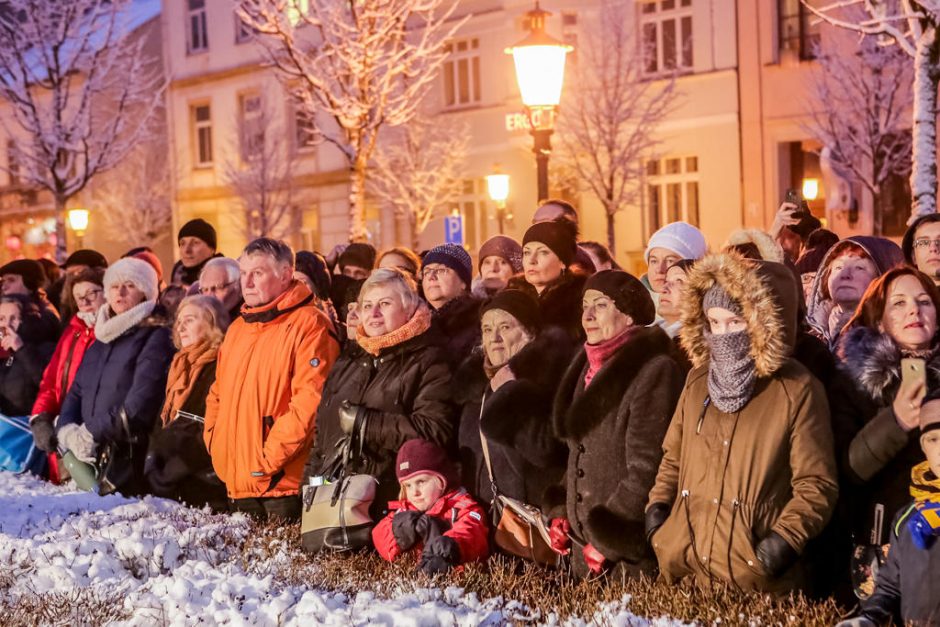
[[558, 531], [78, 439], [404, 529], [923, 531], [349, 417], [858, 621], [43, 432], [656, 515], [595, 560], [775, 554], [440, 555]]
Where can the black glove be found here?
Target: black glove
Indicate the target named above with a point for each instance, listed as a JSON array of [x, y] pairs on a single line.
[[775, 554], [656, 515], [440, 555], [43, 432], [405, 529]]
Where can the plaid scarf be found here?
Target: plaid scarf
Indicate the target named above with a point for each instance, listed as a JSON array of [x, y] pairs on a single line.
[[419, 323]]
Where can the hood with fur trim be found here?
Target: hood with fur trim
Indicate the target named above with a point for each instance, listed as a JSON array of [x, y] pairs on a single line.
[[769, 298], [769, 249]]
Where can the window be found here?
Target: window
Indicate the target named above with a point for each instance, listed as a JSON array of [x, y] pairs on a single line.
[[797, 34], [251, 123], [243, 32], [462, 73], [198, 33], [672, 191], [666, 35], [305, 132], [569, 34], [202, 135], [13, 164]]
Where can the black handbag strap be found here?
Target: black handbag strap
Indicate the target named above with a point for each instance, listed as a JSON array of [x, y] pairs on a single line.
[[487, 460]]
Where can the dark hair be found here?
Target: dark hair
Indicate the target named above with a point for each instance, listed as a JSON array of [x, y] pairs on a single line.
[[276, 248], [683, 264], [89, 275], [567, 209], [314, 266], [137, 251], [822, 238], [871, 309], [413, 261], [602, 253], [50, 269]]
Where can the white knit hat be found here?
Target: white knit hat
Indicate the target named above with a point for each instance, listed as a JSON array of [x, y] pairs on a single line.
[[681, 238], [137, 271]]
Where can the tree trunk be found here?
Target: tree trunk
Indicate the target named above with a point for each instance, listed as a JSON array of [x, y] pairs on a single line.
[[611, 236], [357, 201], [924, 152], [877, 215], [61, 246], [415, 234]]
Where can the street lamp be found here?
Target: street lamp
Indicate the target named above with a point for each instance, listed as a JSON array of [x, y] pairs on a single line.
[[810, 189], [497, 185], [78, 222], [540, 73]]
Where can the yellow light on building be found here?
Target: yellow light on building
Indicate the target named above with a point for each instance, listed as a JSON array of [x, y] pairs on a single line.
[[810, 189], [78, 220], [540, 63], [497, 185]]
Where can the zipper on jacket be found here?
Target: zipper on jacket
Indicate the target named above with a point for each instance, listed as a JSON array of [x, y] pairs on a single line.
[[701, 416]]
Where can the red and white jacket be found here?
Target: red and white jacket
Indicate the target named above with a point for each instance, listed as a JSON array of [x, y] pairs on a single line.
[[467, 520], [59, 374]]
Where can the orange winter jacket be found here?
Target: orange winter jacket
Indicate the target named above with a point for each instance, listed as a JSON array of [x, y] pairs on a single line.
[[261, 409]]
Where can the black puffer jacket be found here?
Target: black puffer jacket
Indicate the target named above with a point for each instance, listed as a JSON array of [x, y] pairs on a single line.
[[875, 454], [406, 392], [178, 465], [456, 325], [560, 302], [615, 430], [20, 374], [527, 458]]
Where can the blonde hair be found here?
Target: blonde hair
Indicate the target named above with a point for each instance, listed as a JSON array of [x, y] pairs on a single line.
[[405, 286], [212, 312]]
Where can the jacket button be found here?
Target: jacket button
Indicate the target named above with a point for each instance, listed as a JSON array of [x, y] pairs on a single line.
[[726, 442], [580, 448], [750, 562], [580, 472], [715, 501], [579, 498]]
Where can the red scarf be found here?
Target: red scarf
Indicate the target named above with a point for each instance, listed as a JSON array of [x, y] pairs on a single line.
[[598, 354]]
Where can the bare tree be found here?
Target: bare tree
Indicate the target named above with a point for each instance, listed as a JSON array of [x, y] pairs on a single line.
[[134, 198], [417, 170], [80, 90], [261, 173], [365, 64], [861, 101], [911, 25], [610, 113]]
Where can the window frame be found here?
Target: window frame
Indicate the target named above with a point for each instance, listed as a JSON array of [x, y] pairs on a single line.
[[197, 18], [250, 150], [451, 74], [805, 38], [197, 126], [650, 13], [686, 181]]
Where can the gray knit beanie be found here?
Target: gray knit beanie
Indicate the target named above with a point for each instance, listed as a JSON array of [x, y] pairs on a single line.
[[717, 296]]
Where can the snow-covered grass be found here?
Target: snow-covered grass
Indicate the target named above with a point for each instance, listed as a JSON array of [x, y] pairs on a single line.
[[72, 558]]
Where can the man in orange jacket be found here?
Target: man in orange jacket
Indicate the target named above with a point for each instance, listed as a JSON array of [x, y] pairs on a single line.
[[260, 411]]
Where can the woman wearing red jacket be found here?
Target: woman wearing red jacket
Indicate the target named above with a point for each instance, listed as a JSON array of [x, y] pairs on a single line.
[[86, 295], [435, 518]]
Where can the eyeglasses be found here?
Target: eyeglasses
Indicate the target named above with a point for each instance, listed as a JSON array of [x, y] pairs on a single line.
[[89, 297], [433, 273], [210, 289], [924, 242]]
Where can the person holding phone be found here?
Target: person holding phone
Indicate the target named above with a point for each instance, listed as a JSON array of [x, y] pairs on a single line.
[[793, 224], [887, 357]]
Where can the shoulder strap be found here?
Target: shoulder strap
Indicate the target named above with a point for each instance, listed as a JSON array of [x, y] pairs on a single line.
[[486, 451]]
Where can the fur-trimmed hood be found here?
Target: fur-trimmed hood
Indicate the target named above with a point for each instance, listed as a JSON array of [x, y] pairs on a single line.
[[883, 252], [872, 360], [769, 249], [769, 297]]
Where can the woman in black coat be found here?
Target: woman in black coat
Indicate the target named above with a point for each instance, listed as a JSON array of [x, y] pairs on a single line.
[[178, 465], [518, 369], [390, 386], [24, 352], [613, 407]]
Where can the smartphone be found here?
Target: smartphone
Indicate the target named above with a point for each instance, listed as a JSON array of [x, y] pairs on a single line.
[[914, 372], [793, 196]]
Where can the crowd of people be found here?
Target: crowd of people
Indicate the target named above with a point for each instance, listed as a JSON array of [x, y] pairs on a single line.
[[764, 413]]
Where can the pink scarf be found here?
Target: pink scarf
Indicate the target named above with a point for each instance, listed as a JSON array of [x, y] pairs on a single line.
[[598, 354]]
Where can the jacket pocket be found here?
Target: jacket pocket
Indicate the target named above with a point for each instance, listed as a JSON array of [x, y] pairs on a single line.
[[745, 569], [672, 544]]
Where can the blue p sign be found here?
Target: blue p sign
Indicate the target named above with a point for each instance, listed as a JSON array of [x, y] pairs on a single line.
[[453, 230]]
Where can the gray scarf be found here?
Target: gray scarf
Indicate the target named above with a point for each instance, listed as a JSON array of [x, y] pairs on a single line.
[[731, 373]]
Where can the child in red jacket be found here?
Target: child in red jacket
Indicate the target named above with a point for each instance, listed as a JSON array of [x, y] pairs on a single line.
[[435, 516]]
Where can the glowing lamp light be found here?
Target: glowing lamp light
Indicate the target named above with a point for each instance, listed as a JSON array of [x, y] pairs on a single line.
[[13, 243], [540, 63], [78, 220], [810, 189], [497, 185]]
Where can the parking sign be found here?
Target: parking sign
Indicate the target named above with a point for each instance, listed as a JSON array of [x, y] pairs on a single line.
[[453, 230]]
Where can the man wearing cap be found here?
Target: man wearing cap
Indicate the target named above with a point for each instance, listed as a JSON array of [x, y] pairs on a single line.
[[25, 277], [357, 261], [446, 275], [197, 242], [500, 260], [673, 242]]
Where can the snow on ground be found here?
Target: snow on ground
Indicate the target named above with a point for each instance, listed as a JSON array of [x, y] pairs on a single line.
[[178, 566]]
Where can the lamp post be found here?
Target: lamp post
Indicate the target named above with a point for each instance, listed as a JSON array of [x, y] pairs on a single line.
[[497, 185], [540, 73], [78, 222]]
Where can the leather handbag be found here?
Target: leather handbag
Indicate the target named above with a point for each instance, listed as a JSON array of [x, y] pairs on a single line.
[[521, 529], [335, 514]]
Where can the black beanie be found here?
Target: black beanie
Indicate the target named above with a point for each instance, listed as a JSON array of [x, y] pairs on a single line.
[[314, 266], [559, 235], [29, 269], [628, 293], [86, 257], [201, 229], [358, 254], [520, 305]]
